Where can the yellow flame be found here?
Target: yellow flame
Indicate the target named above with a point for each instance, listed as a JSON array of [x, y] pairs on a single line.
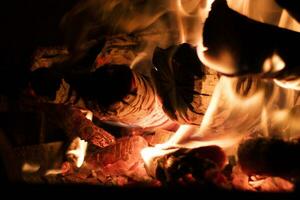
[[286, 21], [290, 84], [191, 15], [30, 167], [150, 153], [80, 145], [273, 64], [53, 172], [79, 152]]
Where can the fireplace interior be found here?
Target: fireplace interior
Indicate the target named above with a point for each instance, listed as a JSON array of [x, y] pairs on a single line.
[[118, 96]]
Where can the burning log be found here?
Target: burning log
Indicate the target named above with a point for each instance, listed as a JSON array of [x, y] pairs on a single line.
[[130, 98], [237, 45], [272, 157], [198, 166], [182, 82]]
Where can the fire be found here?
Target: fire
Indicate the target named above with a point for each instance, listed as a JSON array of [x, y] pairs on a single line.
[[233, 115], [290, 84], [80, 148], [30, 167], [79, 152], [273, 64], [286, 21]]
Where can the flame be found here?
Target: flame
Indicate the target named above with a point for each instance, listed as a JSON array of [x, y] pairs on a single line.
[[80, 145], [150, 153], [288, 84], [190, 18], [79, 152], [234, 113], [286, 21], [273, 64], [30, 167], [264, 109], [53, 172]]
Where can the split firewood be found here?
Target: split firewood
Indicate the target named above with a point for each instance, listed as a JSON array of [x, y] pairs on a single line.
[[271, 157], [293, 7], [182, 82], [129, 100], [75, 124], [237, 45], [201, 166]]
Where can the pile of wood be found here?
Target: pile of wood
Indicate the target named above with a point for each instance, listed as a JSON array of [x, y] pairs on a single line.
[[113, 157]]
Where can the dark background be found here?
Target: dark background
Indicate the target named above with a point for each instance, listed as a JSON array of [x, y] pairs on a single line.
[[25, 25]]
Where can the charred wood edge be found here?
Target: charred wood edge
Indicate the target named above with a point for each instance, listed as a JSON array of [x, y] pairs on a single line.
[[250, 44], [171, 167], [10, 161], [194, 83], [270, 156]]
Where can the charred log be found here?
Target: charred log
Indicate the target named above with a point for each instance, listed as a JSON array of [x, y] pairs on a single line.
[[272, 157], [238, 45], [199, 167], [183, 83]]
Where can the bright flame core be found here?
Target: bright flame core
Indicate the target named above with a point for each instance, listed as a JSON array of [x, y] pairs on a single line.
[[80, 145]]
